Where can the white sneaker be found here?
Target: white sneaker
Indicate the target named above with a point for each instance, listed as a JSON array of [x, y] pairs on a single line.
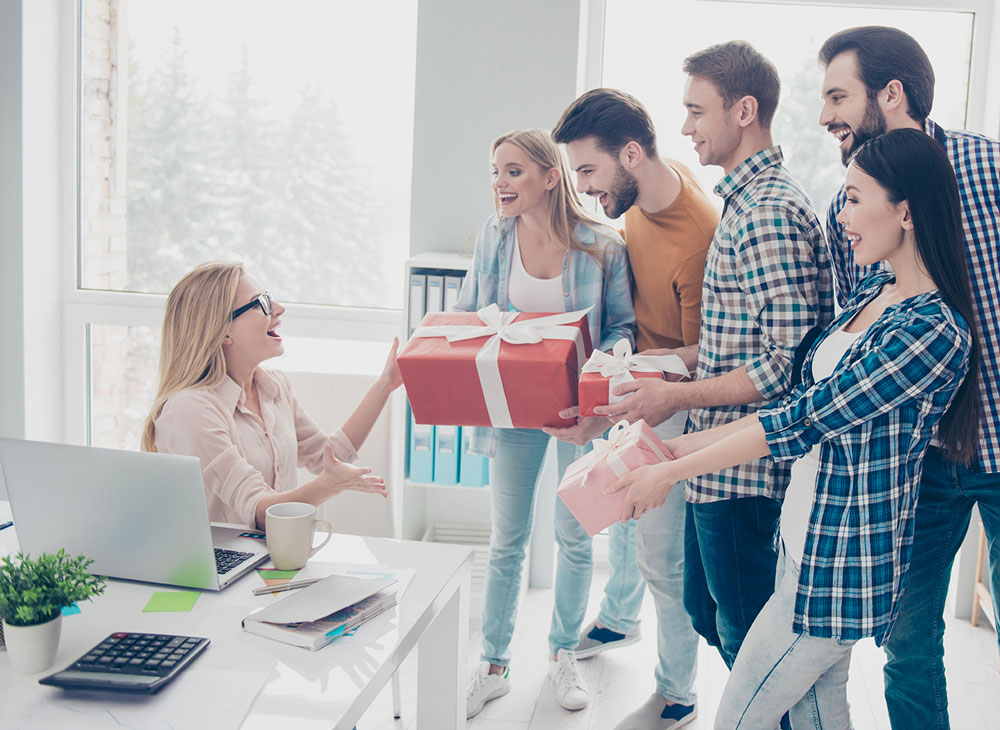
[[484, 687], [571, 690]]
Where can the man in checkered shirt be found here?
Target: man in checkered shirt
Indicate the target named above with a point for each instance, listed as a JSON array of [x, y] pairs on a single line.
[[879, 79], [767, 284]]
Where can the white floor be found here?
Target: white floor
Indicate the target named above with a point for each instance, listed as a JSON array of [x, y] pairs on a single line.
[[621, 680]]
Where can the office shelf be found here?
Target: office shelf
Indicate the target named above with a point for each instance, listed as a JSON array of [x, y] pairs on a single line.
[[425, 505]]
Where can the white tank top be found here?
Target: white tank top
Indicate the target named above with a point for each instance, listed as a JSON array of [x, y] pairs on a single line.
[[527, 293], [801, 490]]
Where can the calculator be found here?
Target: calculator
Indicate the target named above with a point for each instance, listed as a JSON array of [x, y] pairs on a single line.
[[130, 663]]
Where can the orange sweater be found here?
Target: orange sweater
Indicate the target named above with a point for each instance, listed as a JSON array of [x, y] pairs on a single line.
[[667, 250]]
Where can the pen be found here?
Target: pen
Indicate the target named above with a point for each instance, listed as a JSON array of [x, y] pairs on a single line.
[[5, 525], [290, 586]]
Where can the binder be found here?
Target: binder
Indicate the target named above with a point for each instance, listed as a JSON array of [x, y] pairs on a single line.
[[452, 288], [435, 294], [418, 301], [421, 451], [474, 469], [446, 454]]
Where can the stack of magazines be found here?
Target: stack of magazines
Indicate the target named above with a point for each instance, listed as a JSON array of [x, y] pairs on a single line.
[[316, 615]]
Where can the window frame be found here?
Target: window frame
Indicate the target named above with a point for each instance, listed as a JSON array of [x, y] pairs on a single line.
[[82, 307], [67, 339]]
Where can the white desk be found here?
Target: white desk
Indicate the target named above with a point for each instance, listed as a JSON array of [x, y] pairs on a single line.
[[329, 688]]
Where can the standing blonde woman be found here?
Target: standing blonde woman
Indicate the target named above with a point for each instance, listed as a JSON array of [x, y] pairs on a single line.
[[540, 253], [243, 422]]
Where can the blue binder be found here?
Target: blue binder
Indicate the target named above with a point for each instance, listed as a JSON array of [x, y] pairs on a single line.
[[447, 445], [421, 452], [474, 469]]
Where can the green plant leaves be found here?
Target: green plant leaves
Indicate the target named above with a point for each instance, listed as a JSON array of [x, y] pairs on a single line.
[[34, 591]]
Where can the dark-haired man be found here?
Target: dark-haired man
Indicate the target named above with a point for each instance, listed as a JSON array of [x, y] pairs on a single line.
[[668, 225], [879, 79], [767, 284]]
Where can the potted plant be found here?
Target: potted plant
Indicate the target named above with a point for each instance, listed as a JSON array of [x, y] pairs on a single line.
[[32, 595]]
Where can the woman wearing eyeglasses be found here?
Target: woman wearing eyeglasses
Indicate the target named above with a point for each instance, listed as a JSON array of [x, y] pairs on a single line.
[[244, 422]]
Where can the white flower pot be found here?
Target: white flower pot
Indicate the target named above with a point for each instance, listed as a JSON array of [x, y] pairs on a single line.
[[32, 649]]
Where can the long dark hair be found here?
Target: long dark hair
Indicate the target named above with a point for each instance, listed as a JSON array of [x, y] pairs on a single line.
[[913, 166]]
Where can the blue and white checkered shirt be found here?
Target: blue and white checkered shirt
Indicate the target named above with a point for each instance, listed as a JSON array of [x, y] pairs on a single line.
[[767, 283], [976, 160], [873, 418]]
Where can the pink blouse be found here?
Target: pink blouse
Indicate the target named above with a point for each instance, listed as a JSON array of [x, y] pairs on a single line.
[[244, 457]]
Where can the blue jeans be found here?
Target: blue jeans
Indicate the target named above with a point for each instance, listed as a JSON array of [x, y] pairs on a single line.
[[574, 568], [513, 483], [623, 592], [915, 689], [660, 556], [729, 564], [660, 535], [778, 670]]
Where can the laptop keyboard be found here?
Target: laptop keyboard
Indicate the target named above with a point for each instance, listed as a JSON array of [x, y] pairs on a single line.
[[226, 560]]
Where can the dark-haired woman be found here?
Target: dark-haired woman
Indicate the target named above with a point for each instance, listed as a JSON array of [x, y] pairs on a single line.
[[896, 369]]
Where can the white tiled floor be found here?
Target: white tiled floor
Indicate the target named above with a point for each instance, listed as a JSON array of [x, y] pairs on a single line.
[[621, 680]]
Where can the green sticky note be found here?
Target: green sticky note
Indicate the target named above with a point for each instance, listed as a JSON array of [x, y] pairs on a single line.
[[267, 574], [162, 601]]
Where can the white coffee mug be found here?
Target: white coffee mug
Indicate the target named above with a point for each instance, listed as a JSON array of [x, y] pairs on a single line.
[[290, 527]]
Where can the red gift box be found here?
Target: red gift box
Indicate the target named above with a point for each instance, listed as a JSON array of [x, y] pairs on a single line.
[[603, 372], [493, 368]]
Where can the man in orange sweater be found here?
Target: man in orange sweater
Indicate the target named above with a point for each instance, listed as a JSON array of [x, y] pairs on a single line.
[[668, 226]]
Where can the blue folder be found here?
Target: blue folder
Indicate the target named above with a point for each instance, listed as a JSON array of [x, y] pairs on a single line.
[[420, 455], [447, 444], [474, 470]]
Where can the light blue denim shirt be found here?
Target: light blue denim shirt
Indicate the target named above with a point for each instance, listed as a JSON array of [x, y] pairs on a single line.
[[606, 286]]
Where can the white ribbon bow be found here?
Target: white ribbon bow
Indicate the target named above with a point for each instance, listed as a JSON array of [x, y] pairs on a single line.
[[501, 327], [617, 435], [621, 434], [618, 366]]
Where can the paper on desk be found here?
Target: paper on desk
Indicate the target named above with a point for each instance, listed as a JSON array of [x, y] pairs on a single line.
[[327, 596], [165, 601], [196, 700], [371, 631]]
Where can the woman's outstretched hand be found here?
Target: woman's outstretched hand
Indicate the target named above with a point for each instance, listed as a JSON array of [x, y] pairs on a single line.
[[390, 372], [648, 487], [342, 476]]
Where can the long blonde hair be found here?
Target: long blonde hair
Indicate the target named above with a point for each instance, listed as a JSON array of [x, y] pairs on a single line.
[[195, 322], [565, 209]]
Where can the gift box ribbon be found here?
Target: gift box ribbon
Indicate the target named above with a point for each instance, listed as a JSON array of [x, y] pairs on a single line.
[[500, 327], [618, 365], [620, 435]]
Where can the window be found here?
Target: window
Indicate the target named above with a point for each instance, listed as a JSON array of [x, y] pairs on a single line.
[[645, 59], [277, 135]]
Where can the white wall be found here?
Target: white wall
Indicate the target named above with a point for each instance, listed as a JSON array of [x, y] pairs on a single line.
[[483, 68], [11, 247]]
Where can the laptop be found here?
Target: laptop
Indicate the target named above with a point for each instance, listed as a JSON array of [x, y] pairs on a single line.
[[140, 516]]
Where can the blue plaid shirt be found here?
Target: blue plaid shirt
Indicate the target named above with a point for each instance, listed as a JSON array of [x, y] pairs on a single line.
[[873, 419], [767, 283], [606, 286], [976, 160]]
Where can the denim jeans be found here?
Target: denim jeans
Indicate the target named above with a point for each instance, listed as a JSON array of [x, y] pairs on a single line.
[[778, 670], [729, 565], [574, 568], [915, 689], [513, 483], [660, 557]]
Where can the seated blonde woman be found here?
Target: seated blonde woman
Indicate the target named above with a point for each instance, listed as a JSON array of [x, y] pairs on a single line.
[[243, 422]]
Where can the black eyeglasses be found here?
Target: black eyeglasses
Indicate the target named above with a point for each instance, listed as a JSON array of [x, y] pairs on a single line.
[[261, 300]]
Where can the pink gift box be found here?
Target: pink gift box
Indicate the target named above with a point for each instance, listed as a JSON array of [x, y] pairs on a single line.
[[582, 487]]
